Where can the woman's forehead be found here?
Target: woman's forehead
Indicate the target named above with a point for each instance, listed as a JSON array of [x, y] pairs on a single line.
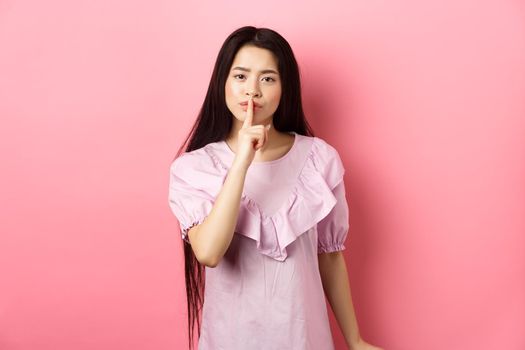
[[254, 58]]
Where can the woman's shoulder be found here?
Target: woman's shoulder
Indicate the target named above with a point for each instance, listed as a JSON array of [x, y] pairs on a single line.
[[199, 169], [323, 147], [321, 151], [198, 160], [326, 160]]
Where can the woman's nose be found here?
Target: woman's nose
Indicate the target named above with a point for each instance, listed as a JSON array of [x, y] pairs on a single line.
[[252, 89]]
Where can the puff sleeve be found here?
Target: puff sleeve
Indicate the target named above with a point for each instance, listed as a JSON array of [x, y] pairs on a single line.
[[332, 229], [190, 197]]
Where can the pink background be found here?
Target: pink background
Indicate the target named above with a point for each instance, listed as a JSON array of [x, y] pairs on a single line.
[[423, 100]]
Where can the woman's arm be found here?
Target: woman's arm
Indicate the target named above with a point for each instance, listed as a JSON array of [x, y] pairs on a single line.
[[336, 286], [210, 239]]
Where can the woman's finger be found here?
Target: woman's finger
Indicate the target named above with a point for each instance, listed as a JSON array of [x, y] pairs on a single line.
[[263, 140], [266, 128], [248, 119]]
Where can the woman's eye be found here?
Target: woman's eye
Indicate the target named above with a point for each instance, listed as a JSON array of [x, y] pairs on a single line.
[[241, 76]]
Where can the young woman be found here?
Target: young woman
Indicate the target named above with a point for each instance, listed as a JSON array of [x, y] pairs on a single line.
[[262, 209]]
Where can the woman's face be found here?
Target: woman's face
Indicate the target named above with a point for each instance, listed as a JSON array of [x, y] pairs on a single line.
[[253, 71]]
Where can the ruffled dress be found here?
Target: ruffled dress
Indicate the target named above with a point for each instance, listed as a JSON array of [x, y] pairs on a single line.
[[266, 292]]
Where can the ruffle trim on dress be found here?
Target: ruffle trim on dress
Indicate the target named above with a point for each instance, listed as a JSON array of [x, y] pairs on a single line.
[[311, 199]]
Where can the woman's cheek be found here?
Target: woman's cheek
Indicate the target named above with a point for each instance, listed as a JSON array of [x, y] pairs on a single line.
[[230, 97], [228, 90], [276, 99]]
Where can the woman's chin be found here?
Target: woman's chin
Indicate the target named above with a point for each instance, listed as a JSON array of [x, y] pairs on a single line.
[[257, 119]]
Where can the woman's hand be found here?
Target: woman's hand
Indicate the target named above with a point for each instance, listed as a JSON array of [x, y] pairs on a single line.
[[360, 344], [250, 138]]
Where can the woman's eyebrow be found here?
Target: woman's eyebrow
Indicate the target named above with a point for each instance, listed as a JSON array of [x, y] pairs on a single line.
[[261, 71]]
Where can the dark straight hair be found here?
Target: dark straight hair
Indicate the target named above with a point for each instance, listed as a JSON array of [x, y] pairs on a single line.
[[215, 121]]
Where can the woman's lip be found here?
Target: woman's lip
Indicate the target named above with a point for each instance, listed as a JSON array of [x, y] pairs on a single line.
[[245, 107], [246, 104]]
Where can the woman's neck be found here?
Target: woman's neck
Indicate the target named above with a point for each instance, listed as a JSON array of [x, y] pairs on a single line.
[[278, 144]]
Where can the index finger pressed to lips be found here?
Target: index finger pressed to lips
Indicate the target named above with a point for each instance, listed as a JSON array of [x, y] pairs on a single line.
[[249, 114]]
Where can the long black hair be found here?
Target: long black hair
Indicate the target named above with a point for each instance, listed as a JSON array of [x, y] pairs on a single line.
[[215, 121]]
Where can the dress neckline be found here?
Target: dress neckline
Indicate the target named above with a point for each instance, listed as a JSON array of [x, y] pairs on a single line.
[[269, 162]]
